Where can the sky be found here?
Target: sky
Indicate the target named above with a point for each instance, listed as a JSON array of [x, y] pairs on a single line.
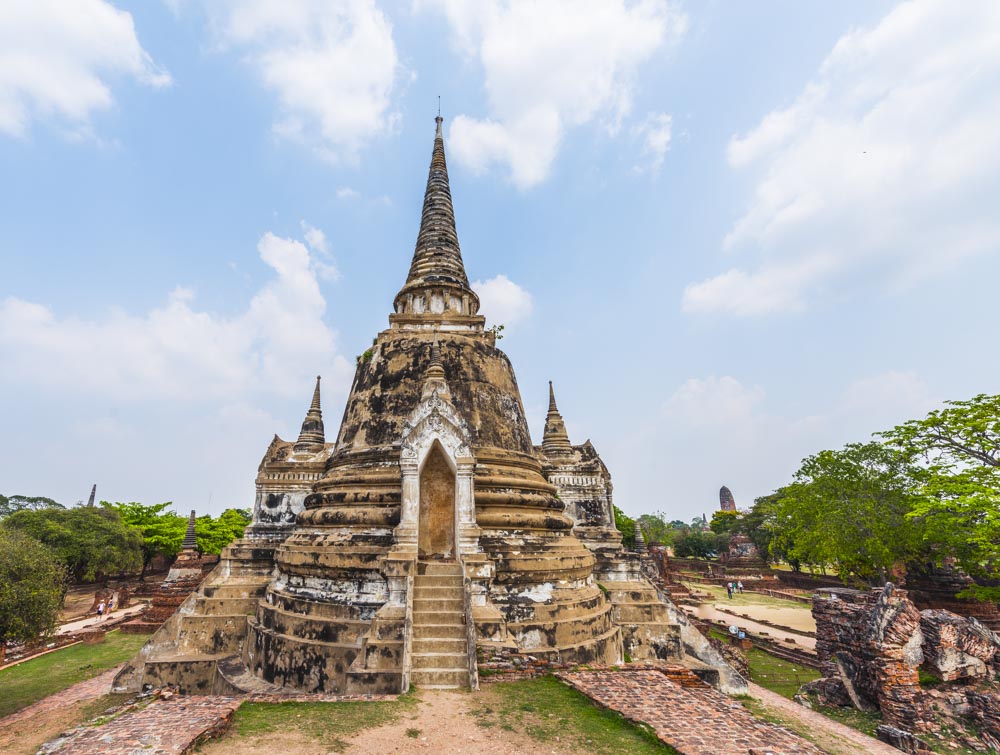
[[733, 234]]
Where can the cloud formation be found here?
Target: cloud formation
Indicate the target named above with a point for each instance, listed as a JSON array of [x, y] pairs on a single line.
[[550, 67], [886, 166], [502, 301], [178, 353], [58, 59], [331, 63], [655, 133]]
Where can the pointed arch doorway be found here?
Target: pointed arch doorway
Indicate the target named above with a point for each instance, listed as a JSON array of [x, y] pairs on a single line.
[[436, 524]]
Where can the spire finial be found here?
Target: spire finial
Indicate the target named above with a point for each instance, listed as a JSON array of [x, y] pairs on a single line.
[[312, 436], [439, 106], [555, 439], [93, 495], [437, 269]]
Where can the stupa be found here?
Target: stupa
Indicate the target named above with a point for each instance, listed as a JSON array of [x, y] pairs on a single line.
[[431, 527]]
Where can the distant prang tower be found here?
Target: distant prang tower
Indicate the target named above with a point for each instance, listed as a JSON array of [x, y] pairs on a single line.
[[430, 534], [726, 500]]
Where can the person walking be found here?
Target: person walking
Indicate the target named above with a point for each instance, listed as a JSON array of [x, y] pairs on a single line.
[[739, 586], [111, 604], [729, 590], [100, 610]]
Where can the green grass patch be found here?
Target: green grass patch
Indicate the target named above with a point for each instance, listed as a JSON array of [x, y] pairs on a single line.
[[29, 682], [777, 674], [546, 710], [332, 724]]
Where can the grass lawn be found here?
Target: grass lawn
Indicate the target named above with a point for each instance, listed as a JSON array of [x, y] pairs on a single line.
[[777, 674], [28, 682], [545, 709]]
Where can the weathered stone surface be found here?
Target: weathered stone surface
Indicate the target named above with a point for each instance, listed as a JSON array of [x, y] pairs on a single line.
[[433, 467]]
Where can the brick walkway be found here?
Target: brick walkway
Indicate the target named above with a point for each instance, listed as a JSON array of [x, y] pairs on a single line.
[[86, 690], [854, 739], [686, 713], [164, 726]]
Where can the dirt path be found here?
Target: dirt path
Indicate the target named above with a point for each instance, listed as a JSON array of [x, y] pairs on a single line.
[[446, 725], [709, 611], [832, 736], [442, 722]]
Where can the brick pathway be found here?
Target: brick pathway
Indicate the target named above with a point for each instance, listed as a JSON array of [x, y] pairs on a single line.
[[86, 690], [854, 739], [164, 726], [686, 713]]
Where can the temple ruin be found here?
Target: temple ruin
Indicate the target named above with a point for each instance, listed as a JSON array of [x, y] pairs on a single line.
[[430, 533]]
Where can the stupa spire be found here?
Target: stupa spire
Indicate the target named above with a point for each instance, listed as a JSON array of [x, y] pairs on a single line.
[[312, 437], [437, 270], [555, 439]]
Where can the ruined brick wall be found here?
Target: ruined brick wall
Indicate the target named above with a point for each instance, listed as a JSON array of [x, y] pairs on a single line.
[[871, 641]]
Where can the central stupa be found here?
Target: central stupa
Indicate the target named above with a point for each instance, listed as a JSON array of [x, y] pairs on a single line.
[[430, 529]]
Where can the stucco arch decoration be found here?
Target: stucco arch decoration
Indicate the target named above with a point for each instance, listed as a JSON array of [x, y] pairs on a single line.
[[435, 419]]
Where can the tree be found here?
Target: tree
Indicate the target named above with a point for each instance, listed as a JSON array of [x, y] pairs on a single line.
[[10, 504], [724, 522], [162, 531], [216, 534], [956, 455], [655, 529], [626, 526], [849, 508], [699, 544], [32, 586], [91, 541]]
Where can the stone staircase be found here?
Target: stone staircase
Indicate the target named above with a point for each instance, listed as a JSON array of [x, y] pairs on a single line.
[[439, 650]]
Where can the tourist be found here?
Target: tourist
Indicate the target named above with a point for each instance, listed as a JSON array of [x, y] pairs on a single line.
[[739, 586], [111, 604], [100, 610], [729, 590]]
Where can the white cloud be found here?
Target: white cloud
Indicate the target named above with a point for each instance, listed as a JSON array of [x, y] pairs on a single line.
[[550, 67], [323, 262], [655, 133], [502, 301], [331, 63], [886, 166], [346, 192], [57, 61], [712, 403], [176, 352]]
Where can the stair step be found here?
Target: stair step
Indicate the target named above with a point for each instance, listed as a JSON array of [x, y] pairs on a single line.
[[441, 592], [453, 618], [447, 678], [424, 605], [439, 567], [439, 645], [439, 631], [440, 580], [439, 661]]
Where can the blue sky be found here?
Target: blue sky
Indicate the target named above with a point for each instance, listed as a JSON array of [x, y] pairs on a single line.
[[733, 234]]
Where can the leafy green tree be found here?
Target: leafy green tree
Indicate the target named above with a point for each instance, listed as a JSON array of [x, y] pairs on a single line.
[[956, 453], [849, 508], [216, 534], [32, 586], [10, 504], [162, 530], [91, 541], [724, 522], [626, 526], [693, 543], [655, 529]]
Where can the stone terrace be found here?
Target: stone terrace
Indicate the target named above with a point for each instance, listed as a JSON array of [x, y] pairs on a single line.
[[686, 713]]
